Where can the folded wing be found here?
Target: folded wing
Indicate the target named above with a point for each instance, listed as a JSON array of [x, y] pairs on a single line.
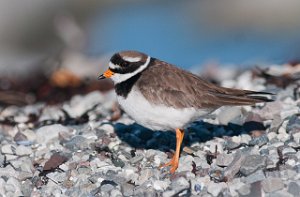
[[181, 89]]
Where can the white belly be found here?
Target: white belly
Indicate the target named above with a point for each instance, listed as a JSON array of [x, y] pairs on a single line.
[[158, 117]]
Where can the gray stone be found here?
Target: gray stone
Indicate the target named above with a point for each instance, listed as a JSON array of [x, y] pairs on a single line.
[[8, 171], [127, 189], [8, 149], [23, 150], [10, 157], [107, 128], [117, 162], [244, 190], [201, 162], [169, 193], [2, 160], [272, 184], [116, 193], [97, 192], [144, 175], [291, 162], [289, 111], [297, 168], [293, 124], [136, 159], [21, 139], [259, 141], [144, 191], [294, 189], [215, 146], [180, 184], [288, 150], [21, 118], [109, 175], [217, 175], [253, 163], [107, 186], [224, 160], [15, 185], [9, 188], [277, 144], [84, 170], [245, 138], [270, 109], [215, 188], [281, 193], [47, 133], [57, 177], [30, 135], [80, 104], [113, 145], [256, 176], [236, 139], [283, 137], [201, 154], [230, 114], [255, 189], [64, 167], [264, 152], [77, 143], [272, 135], [26, 187], [229, 144], [288, 174], [235, 165], [16, 163], [2, 184], [185, 163], [160, 158], [196, 186], [24, 175], [159, 185]]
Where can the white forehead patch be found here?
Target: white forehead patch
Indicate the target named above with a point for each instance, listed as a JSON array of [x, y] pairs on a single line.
[[113, 66], [132, 59]]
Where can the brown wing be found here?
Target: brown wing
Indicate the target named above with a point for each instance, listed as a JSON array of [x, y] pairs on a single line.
[[166, 84]]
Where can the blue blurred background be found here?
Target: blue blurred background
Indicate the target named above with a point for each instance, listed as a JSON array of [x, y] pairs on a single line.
[[193, 33]]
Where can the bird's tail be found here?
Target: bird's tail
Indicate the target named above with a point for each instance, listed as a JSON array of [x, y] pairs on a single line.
[[242, 97]]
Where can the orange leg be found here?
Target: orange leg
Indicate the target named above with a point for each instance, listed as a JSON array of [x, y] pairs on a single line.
[[175, 160]]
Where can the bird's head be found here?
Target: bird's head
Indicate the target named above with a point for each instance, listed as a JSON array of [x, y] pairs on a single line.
[[124, 65]]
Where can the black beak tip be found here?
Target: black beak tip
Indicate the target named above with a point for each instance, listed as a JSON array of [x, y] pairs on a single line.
[[101, 77]]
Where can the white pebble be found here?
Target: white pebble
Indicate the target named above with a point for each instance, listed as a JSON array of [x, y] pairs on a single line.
[[23, 150], [271, 135], [160, 185]]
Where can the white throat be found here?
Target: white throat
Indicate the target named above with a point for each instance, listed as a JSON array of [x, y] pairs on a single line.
[[118, 78]]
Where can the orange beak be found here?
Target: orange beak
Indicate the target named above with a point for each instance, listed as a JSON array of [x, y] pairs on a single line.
[[107, 74]]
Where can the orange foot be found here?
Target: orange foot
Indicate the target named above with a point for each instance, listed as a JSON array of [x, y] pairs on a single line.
[[175, 160], [173, 163]]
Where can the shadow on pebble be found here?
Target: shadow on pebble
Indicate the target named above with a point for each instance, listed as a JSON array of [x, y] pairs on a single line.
[[142, 138]]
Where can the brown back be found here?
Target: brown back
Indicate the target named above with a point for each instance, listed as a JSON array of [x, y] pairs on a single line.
[[162, 83]]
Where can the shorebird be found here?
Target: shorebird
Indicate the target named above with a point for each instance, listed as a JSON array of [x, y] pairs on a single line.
[[161, 96]]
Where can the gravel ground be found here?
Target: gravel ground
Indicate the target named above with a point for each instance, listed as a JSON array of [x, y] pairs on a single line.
[[86, 147]]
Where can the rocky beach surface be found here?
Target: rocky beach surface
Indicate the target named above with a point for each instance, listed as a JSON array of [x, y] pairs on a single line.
[[87, 146]]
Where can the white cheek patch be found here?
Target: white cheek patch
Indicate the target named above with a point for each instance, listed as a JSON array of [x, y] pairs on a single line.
[[132, 59], [118, 78], [113, 66]]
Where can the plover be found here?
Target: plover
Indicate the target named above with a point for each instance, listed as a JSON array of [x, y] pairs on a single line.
[[161, 96]]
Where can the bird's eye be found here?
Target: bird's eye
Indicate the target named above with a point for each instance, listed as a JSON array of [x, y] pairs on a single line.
[[124, 64]]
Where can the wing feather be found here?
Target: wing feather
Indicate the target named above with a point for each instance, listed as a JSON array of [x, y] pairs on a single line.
[[178, 88]]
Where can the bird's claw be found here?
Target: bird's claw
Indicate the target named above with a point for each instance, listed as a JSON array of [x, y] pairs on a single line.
[[172, 163]]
